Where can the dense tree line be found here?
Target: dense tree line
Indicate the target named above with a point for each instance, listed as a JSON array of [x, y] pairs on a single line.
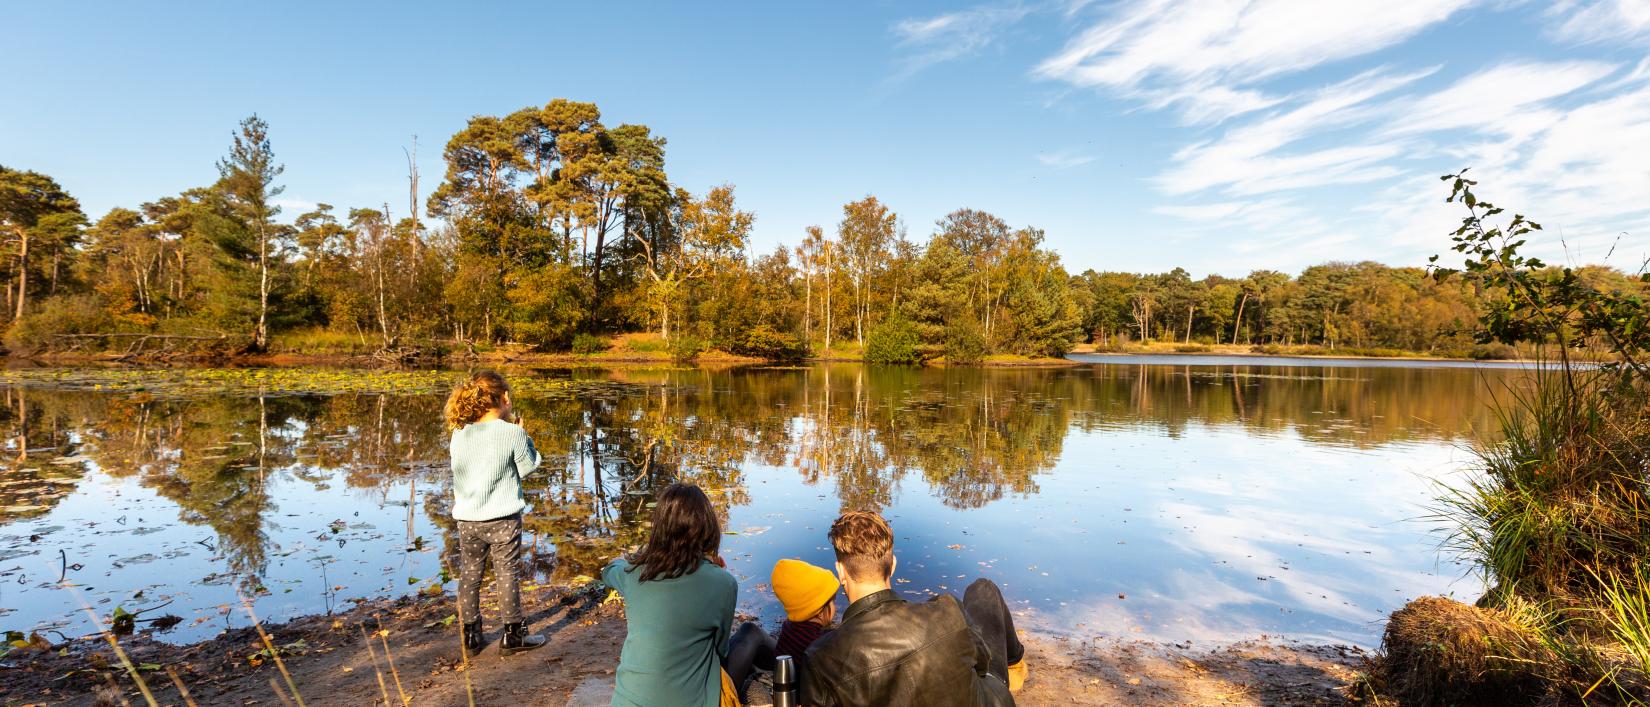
[[1335, 305], [551, 229]]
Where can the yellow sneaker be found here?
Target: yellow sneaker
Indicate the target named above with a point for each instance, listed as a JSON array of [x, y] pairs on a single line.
[[1017, 674]]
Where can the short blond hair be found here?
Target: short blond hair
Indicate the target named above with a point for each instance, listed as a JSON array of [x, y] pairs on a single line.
[[864, 544]]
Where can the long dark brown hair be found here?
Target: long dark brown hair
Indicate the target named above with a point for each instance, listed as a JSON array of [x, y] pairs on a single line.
[[685, 531]]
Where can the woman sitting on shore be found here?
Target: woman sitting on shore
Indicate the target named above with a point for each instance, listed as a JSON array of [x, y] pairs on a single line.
[[679, 601]]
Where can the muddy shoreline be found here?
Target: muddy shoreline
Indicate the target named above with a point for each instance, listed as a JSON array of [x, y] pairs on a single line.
[[414, 652]]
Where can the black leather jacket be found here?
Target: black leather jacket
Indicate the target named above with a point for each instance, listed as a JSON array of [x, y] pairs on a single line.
[[890, 653]]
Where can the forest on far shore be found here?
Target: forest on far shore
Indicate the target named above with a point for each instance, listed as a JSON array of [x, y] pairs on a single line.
[[552, 231]]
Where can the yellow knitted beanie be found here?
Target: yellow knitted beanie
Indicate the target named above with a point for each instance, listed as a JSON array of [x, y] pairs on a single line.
[[803, 588]]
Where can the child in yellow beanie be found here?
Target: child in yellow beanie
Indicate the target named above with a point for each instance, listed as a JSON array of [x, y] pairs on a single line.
[[808, 594]]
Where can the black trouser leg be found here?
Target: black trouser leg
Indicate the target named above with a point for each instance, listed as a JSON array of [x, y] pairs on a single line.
[[749, 648], [988, 613]]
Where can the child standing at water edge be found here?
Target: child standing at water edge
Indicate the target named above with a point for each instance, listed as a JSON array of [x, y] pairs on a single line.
[[490, 454]]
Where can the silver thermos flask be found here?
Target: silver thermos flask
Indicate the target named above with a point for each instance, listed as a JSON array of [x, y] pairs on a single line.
[[784, 682]]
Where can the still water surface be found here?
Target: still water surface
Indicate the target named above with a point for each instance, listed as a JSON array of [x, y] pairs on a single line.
[[1174, 502]]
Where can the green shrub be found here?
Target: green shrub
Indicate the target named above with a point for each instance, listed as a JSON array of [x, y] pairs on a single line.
[[1191, 348], [893, 340], [318, 340], [586, 344], [646, 344], [1494, 352], [964, 343], [76, 314], [684, 348], [763, 341]]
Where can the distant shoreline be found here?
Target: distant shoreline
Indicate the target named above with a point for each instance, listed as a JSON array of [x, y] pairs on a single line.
[[619, 356]]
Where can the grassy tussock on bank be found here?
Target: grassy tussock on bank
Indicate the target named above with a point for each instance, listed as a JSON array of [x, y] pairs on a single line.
[[1557, 515]]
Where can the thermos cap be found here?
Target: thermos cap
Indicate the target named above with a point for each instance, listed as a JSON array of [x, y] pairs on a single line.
[[784, 670]]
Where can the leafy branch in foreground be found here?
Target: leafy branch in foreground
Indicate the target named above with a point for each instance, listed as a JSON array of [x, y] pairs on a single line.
[[1558, 514], [1538, 302]]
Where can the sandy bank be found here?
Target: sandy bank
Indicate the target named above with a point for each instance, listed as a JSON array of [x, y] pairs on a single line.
[[329, 661]]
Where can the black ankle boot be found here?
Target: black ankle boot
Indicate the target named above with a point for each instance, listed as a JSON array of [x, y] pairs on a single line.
[[473, 639], [516, 640]]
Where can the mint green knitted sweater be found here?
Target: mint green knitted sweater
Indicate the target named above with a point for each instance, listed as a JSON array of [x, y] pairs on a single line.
[[489, 460]]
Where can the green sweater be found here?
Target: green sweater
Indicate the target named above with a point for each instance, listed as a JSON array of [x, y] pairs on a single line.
[[489, 459], [678, 635]]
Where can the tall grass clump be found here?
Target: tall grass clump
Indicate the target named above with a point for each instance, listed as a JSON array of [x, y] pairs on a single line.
[[1556, 512], [1560, 506]]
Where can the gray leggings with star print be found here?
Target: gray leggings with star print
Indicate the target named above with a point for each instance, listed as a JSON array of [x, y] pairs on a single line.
[[499, 538]]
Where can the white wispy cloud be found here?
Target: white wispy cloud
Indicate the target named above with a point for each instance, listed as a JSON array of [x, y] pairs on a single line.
[[294, 205], [952, 36], [1254, 158], [1592, 21], [1292, 143], [1505, 99], [1207, 58], [1064, 159]]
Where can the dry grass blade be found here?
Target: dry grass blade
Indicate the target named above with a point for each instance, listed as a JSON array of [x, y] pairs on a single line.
[[464, 652], [274, 652], [114, 692], [182, 691], [382, 688], [109, 635], [395, 674], [276, 688]]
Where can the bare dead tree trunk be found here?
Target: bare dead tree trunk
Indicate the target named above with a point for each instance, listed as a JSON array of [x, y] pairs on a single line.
[[378, 259], [22, 271], [260, 336]]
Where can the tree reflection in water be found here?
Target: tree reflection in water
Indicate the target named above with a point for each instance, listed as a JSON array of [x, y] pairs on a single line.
[[972, 436]]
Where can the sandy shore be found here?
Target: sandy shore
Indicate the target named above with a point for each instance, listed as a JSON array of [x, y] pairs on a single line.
[[330, 663]]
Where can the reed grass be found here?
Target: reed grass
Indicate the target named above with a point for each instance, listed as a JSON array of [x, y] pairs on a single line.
[[1557, 516]]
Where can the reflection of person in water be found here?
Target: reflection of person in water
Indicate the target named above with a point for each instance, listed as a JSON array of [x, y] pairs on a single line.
[[490, 453]]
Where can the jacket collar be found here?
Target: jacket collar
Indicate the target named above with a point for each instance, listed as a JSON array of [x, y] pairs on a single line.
[[869, 602]]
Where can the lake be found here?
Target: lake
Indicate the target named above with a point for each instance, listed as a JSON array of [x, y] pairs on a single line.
[[1180, 500]]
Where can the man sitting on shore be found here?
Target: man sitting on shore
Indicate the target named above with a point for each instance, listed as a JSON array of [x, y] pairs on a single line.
[[891, 652]]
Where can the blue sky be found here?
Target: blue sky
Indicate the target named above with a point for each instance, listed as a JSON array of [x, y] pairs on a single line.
[[1218, 135]]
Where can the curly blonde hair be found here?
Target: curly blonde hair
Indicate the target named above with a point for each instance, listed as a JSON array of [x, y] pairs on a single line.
[[482, 393]]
